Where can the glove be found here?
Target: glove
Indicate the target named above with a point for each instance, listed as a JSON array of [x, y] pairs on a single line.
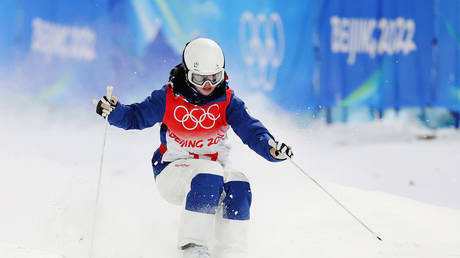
[[106, 105], [280, 150]]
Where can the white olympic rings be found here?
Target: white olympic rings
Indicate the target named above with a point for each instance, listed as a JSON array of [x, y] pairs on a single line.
[[262, 43], [197, 121]]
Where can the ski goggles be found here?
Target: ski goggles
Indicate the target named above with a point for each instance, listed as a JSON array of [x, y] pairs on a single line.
[[199, 80]]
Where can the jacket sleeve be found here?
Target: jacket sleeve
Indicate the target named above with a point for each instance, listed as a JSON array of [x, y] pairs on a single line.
[[140, 115], [250, 130]]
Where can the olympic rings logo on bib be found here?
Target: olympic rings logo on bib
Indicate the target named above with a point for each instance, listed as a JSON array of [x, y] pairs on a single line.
[[206, 119]]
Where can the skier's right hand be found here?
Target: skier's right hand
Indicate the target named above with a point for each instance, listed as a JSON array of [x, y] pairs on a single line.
[[106, 105]]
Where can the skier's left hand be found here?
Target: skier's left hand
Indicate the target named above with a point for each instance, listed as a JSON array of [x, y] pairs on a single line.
[[280, 150]]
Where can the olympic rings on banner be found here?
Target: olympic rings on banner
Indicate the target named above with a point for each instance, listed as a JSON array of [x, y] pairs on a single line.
[[262, 43]]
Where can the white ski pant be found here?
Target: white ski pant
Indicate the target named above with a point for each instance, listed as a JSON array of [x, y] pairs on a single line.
[[216, 203]]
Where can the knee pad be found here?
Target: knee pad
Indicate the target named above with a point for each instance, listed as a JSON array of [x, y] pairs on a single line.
[[204, 194], [237, 201]]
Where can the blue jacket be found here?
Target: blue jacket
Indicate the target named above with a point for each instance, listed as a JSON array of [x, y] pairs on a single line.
[[193, 131]]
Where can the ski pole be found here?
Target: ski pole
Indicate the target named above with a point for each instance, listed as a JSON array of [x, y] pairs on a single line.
[[101, 162], [273, 144], [337, 201]]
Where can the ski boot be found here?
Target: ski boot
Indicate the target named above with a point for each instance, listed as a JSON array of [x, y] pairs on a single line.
[[195, 251]]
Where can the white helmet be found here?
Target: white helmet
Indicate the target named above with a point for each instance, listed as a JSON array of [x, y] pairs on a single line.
[[204, 61]]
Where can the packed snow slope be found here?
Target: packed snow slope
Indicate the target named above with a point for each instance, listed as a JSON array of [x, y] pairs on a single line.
[[404, 188]]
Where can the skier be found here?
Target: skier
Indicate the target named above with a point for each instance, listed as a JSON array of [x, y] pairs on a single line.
[[195, 109]]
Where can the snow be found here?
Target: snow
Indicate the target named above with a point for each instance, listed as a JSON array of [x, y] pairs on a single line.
[[8, 250], [405, 189]]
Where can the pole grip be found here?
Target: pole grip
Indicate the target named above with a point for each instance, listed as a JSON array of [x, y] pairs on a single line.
[[109, 92]]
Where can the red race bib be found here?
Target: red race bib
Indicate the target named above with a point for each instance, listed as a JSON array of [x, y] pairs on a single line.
[[190, 121]]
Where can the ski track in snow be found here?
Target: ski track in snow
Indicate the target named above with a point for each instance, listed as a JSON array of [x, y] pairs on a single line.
[[405, 189]]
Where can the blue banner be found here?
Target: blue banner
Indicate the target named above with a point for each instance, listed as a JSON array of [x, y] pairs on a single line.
[[59, 50], [303, 55], [376, 53], [446, 85]]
